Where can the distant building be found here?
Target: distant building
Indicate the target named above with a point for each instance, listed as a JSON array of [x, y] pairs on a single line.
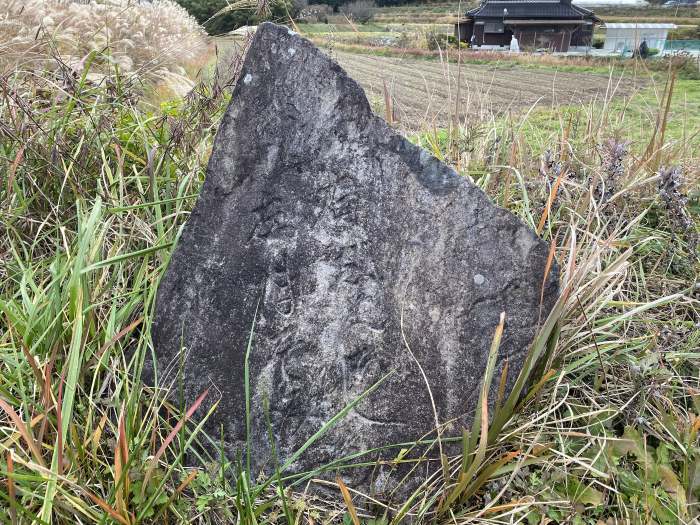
[[556, 25], [626, 38]]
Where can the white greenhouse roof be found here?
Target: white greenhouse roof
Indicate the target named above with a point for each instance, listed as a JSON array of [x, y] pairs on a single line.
[[640, 26], [614, 3]]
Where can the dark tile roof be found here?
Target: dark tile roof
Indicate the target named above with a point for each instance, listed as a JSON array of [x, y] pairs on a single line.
[[530, 9]]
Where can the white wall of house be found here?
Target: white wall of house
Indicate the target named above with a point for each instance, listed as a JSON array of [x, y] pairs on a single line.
[[625, 38]]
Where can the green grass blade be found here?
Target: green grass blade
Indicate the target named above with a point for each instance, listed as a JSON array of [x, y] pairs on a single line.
[[334, 421]]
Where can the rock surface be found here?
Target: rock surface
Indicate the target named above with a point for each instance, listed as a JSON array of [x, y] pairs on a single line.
[[338, 231]]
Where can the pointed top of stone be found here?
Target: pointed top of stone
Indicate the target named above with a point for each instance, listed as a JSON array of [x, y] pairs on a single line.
[[287, 80]]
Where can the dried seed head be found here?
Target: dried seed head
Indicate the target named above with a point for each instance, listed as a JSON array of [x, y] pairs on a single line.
[[676, 203]]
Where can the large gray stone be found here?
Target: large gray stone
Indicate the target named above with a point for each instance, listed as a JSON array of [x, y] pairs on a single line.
[[336, 226]]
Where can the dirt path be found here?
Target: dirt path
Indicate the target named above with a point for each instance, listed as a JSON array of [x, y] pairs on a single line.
[[425, 93]]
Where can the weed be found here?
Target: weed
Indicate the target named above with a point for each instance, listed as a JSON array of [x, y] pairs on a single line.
[[612, 155], [676, 202]]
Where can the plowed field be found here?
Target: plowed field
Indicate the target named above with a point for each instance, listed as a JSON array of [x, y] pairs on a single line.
[[425, 93]]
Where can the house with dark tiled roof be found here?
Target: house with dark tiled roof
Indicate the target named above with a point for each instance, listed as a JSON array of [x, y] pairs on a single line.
[[555, 25]]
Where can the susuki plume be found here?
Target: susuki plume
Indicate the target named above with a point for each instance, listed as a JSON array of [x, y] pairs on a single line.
[[153, 37]]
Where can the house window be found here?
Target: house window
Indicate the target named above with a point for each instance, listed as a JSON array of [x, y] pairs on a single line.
[[494, 27]]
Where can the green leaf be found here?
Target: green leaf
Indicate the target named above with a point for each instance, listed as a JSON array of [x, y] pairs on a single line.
[[632, 443], [333, 421], [583, 494], [125, 256], [674, 488], [533, 517]]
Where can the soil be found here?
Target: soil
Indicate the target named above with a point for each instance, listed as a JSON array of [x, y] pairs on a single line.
[[425, 93]]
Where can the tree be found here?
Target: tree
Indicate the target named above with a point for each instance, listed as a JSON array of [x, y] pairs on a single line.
[[205, 12], [337, 4]]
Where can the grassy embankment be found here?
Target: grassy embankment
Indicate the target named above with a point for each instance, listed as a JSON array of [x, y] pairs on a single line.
[[96, 182]]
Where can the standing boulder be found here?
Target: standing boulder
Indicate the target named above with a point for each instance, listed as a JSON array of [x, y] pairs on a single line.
[[353, 253]]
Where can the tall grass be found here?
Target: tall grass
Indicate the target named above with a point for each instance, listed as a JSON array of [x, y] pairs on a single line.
[[95, 186], [153, 40]]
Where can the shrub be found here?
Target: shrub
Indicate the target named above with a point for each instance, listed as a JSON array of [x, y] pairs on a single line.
[[361, 11], [685, 64], [296, 7], [435, 40], [315, 13], [222, 16], [685, 33]]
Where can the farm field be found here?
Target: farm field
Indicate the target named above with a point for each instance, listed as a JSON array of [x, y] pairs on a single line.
[[426, 93]]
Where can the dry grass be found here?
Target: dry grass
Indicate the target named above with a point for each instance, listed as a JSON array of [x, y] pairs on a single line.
[[152, 40]]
